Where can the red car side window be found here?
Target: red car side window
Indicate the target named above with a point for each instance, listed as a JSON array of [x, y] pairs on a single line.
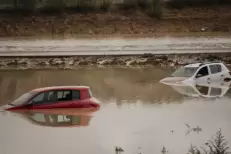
[[54, 96], [64, 95], [76, 95]]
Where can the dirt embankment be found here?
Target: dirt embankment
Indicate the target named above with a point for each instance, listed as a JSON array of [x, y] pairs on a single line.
[[209, 19], [107, 61]]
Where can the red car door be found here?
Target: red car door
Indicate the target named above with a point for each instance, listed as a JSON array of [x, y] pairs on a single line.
[[77, 104], [82, 104], [78, 98]]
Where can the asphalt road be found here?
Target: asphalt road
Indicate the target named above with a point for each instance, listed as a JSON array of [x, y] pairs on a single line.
[[114, 46]]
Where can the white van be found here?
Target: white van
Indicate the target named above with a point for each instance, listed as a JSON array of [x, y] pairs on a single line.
[[199, 73]]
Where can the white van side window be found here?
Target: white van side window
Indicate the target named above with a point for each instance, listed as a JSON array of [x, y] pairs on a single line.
[[215, 68], [203, 72]]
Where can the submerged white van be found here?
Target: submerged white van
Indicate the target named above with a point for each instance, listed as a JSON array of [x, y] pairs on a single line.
[[199, 73]]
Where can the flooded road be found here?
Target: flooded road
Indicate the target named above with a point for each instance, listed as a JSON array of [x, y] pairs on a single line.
[[138, 114], [109, 46]]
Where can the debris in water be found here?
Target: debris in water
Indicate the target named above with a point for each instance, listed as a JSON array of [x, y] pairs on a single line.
[[187, 125], [118, 150], [195, 129], [164, 150], [139, 149]]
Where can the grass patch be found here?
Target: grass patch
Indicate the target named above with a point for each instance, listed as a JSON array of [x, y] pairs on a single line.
[[152, 7], [105, 5], [195, 3], [155, 8], [56, 6], [84, 6]]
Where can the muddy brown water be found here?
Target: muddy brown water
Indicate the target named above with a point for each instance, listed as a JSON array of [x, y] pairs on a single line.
[[138, 114]]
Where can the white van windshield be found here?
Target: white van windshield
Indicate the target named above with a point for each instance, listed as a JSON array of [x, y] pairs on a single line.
[[184, 72]]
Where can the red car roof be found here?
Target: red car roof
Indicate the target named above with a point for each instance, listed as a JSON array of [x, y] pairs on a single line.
[[60, 88]]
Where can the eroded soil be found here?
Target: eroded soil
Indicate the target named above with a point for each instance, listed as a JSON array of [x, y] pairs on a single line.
[[105, 61], [210, 19]]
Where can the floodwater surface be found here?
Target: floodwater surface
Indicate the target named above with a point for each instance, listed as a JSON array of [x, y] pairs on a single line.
[[138, 114]]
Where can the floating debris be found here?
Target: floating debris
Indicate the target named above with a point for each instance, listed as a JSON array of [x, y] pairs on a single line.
[[172, 131], [118, 150], [164, 150], [195, 129]]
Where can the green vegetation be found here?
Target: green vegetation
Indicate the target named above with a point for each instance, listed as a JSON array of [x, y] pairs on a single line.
[[195, 3], [105, 5], [155, 8], [90, 6], [152, 7]]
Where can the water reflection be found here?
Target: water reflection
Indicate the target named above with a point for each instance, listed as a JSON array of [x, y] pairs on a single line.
[[206, 90], [58, 117]]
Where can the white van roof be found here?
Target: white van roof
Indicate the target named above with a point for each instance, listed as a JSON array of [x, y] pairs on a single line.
[[200, 64]]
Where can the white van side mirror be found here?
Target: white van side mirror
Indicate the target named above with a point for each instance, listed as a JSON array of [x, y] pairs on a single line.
[[198, 75]]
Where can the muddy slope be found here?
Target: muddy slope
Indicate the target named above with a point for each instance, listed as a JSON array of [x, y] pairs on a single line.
[[210, 19], [107, 61]]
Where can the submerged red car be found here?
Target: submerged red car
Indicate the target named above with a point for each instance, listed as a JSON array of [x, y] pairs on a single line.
[[55, 97]]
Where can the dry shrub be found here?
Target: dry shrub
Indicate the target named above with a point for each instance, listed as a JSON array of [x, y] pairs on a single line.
[[219, 145]]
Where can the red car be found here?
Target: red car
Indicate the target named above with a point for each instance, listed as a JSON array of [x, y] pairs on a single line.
[[55, 97]]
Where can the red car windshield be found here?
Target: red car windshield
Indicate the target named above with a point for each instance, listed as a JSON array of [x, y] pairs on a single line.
[[22, 99]]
